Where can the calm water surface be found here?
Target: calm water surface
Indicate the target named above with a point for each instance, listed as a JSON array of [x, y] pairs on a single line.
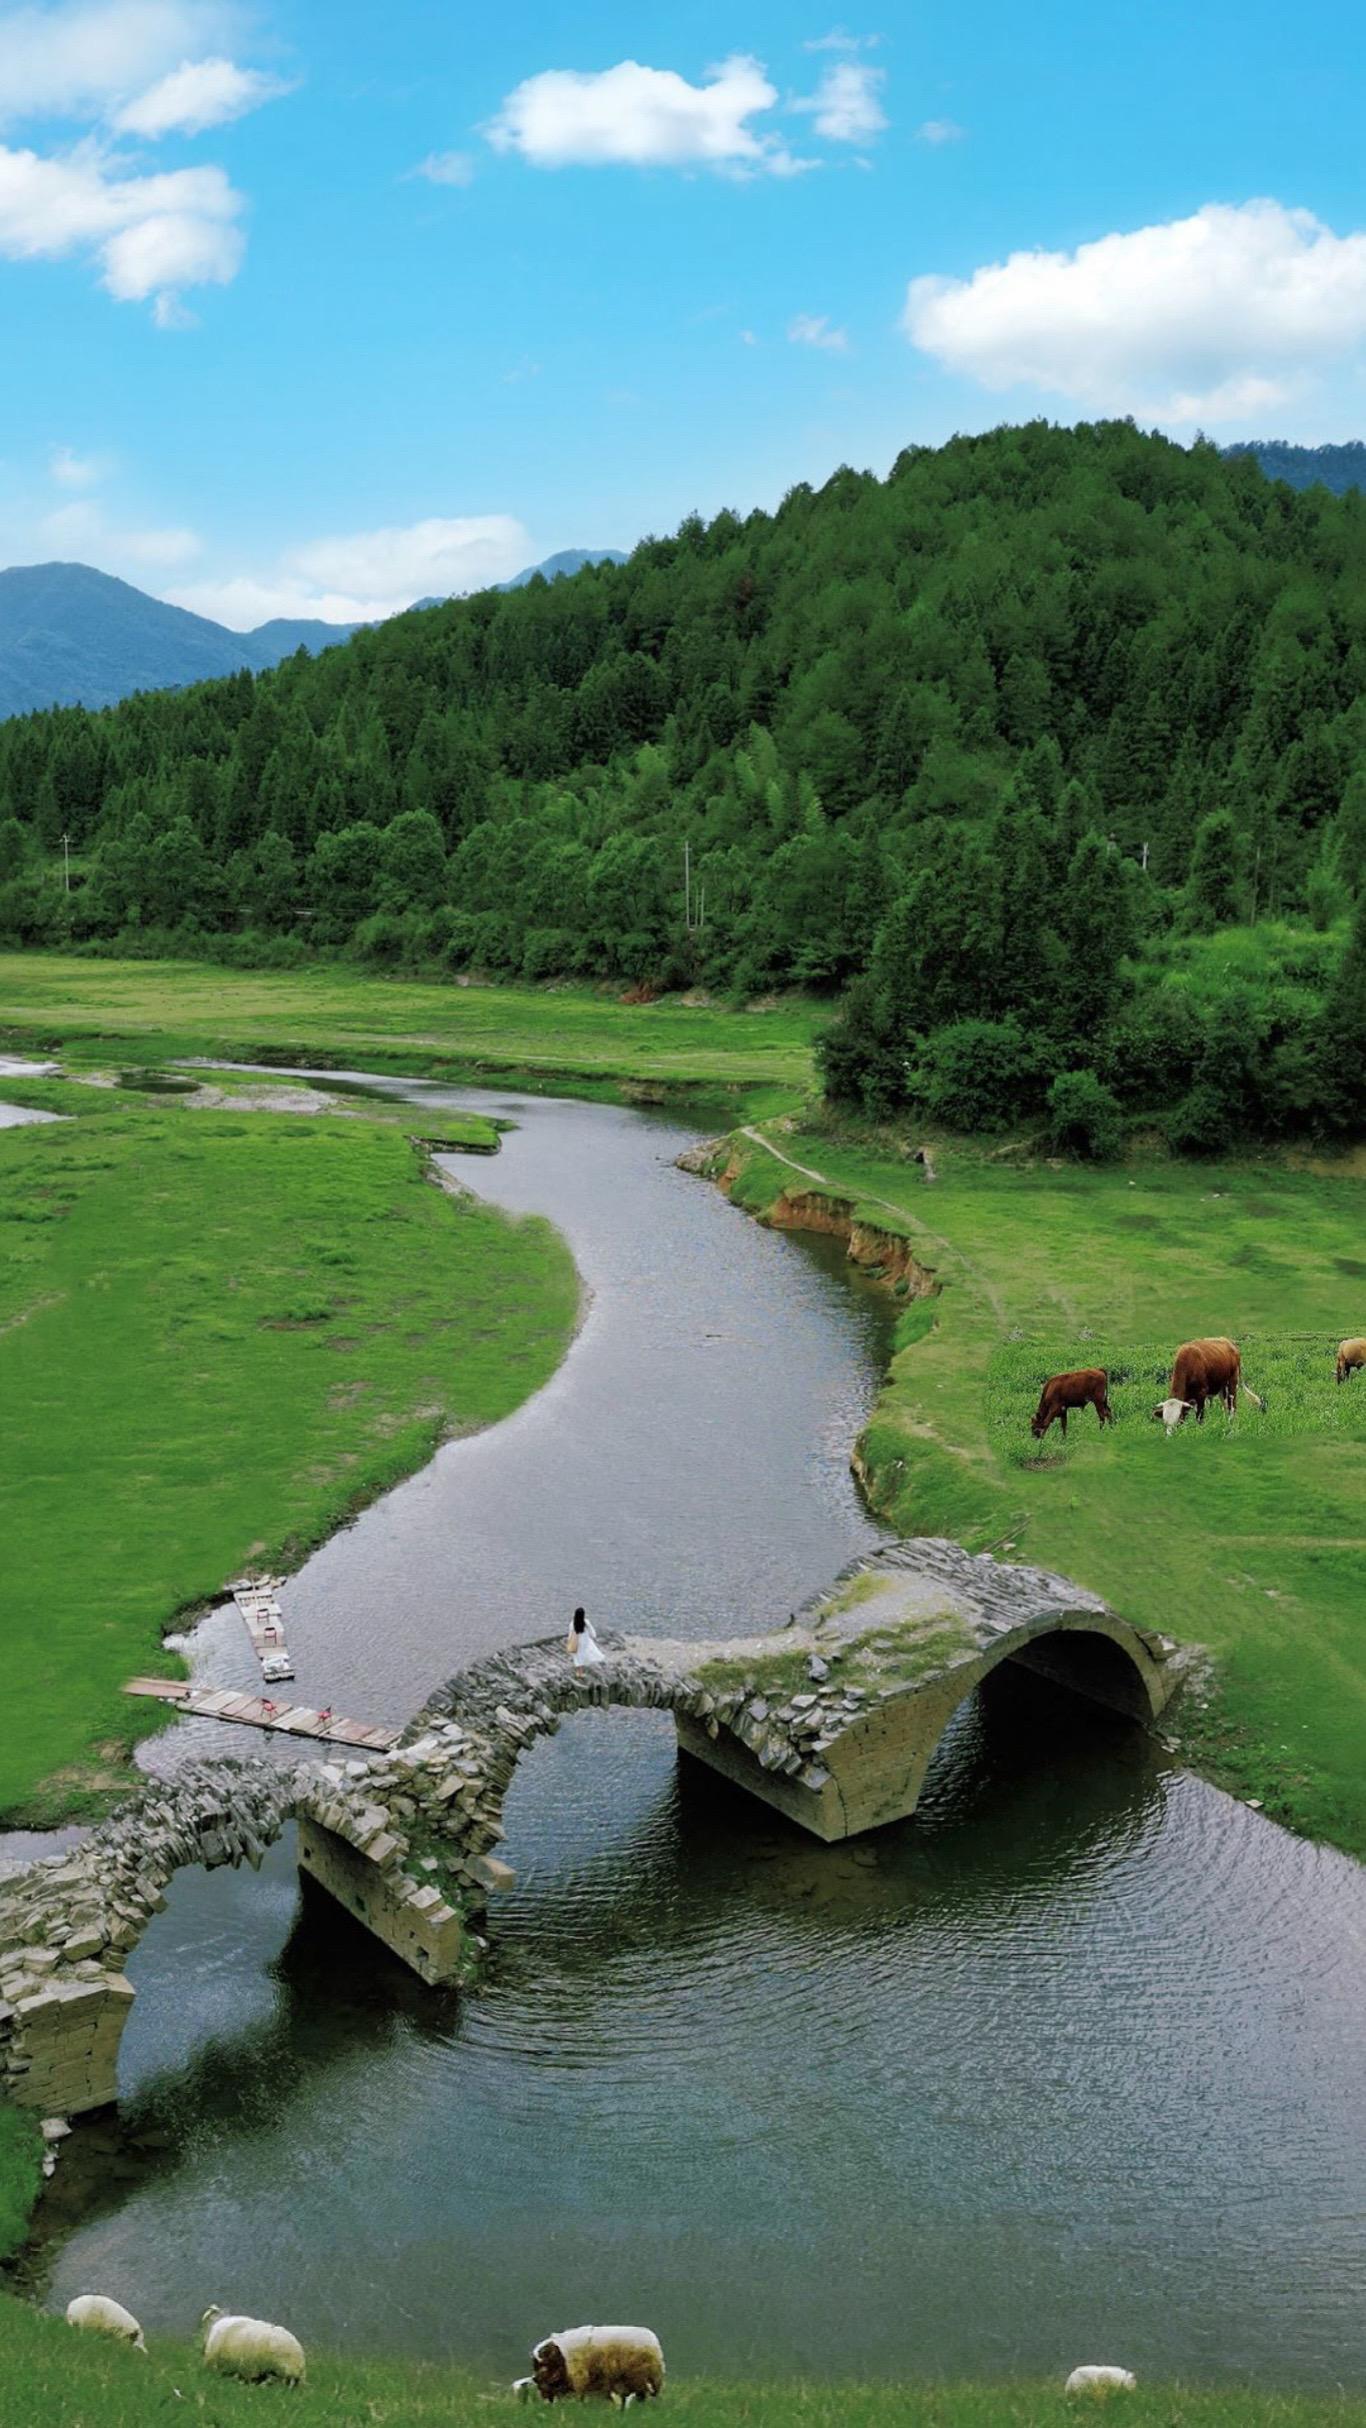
[[1072, 2065]]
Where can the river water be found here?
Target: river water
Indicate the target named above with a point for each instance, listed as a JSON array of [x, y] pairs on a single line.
[[1070, 2066]]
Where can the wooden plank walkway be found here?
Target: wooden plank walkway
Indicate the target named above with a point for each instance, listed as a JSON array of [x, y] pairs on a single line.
[[259, 1711]]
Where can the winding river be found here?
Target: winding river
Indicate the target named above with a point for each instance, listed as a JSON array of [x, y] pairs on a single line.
[[1072, 2065]]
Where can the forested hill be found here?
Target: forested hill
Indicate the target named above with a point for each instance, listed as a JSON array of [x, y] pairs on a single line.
[[1005, 737]]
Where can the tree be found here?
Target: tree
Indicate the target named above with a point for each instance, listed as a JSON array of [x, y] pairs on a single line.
[[1214, 888], [412, 862], [1343, 1033]]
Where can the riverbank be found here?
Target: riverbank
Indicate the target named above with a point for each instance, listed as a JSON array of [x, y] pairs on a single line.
[[227, 1330], [573, 1039], [1248, 1539], [49, 2373]]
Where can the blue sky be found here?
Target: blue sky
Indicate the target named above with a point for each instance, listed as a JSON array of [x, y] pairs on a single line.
[[311, 309]]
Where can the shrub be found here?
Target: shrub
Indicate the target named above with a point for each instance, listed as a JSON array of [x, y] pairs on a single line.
[[982, 1075], [1084, 1118]]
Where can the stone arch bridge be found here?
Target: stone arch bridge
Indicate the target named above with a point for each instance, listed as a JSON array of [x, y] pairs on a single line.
[[833, 1719]]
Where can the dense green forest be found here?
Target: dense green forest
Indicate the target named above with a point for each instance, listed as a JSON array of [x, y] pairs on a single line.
[[1047, 755]]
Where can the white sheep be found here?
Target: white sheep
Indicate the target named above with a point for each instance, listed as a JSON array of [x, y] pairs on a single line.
[[620, 2364], [1100, 2381], [251, 2348], [99, 2315]]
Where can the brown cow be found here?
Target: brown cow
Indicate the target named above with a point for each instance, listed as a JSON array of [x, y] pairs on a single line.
[[1087, 1388], [1351, 1357], [1205, 1370]]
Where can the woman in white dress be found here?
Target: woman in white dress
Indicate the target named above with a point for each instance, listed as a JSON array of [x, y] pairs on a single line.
[[582, 1645]]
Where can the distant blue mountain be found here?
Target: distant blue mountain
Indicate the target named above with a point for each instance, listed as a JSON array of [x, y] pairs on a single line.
[[1337, 468], [569, 560], [551, 569], [68, 633]]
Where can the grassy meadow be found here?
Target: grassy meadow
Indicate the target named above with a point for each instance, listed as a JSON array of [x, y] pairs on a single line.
[[561, 1036], [220, 1332], [49, 2373], [1248, 1538]]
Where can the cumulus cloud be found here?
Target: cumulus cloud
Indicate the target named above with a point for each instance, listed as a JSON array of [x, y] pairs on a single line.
[[140, 68], [644, 117], [939, 130], [365, 575], [1195, 319], [79, 60], [150, 234], [198, 94], [845, 105], [809, 329], [446, 168]]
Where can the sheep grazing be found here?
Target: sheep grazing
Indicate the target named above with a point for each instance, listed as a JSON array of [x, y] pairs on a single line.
[[1351, 1359], [616, 2364], [97, 2314], [1100, 2382], [251, 2348]]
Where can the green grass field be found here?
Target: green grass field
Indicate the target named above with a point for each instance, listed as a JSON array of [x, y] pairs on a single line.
[[48, 2373], [219, 1333], [549, 1035], [1249, 1539]]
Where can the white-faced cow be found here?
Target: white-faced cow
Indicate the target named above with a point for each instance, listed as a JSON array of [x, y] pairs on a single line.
[[1204, 1370]]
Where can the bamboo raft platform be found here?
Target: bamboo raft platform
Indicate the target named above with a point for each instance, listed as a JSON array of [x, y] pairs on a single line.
[[259, 1711]]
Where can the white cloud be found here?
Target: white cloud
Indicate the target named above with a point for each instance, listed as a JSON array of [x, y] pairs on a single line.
[[82, 530], [151, 235], [446, 168], [838, 40], [939, 130], [845, 104], [1204, 318], [365, 575], [810, 329], [73, 471], [644, 117], [79, 60], [143, 68], [199, 93]]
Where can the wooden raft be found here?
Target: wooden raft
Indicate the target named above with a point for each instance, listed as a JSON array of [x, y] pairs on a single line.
[[260, 1711]]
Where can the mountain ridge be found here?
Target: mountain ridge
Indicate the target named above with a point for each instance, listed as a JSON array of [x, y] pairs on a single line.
[[72, 636]]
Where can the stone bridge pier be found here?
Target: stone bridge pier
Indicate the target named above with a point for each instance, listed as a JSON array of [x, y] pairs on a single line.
[[832, 1719]]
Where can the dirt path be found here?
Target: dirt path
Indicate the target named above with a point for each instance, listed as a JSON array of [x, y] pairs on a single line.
[[823, 1180]]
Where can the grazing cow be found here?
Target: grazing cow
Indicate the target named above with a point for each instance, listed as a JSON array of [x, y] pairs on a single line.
[[1351, 1357], [1087, 1388], [1205, 1370]]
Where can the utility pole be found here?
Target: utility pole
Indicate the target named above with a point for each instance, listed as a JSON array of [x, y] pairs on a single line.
[[687, 889], [66, 860]]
